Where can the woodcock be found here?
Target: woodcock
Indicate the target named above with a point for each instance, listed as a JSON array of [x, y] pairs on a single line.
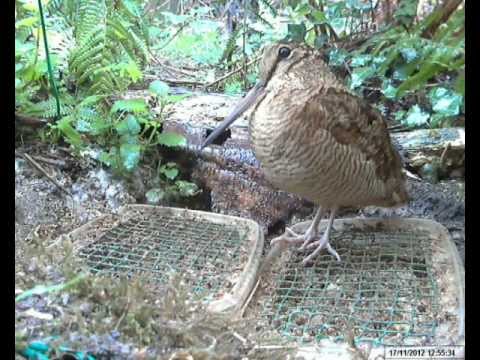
[[316, 139]]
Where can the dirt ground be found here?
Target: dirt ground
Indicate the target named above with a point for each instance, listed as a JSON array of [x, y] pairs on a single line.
[[111, 318], [43, 212]]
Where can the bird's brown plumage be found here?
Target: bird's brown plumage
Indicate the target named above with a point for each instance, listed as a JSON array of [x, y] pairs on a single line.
[[316, 139]]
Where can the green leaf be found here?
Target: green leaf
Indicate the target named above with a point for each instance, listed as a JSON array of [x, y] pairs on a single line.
[[337, 57], [159, 88], [296, 32], [43, 289], [319, 17], [106, 158], [136, 106], [359, 75], [130, 155], [409, 54], [378, 60], [171, 139], [445, 102], [360, 60], [186, 188], [128, 126], [92, 123], [31, 6], [389, 91], [460, 83], [155, 196], [170, 170], [420, 78], [91, 100], [32, 72], [399, 115], [416, 117], [27, 22], [233, 88], [303, 9], [131, 69], [71, 135]]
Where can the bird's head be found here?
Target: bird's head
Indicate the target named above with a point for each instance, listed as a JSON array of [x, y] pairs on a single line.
[[277, 58]]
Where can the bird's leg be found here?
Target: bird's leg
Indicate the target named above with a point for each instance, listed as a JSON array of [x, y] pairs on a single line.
[[323, 242], [312, 230], [293, 238]]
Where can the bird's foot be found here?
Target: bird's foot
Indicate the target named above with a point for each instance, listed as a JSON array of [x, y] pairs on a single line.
[[292, 238], [320, 244]]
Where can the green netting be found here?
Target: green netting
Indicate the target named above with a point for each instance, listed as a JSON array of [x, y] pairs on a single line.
[[154, 245], [382, 291]]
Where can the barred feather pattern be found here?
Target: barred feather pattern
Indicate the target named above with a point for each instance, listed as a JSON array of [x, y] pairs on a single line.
[[315, 139]]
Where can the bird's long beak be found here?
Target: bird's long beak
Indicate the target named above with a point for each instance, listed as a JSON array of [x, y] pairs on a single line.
[[243, 106]]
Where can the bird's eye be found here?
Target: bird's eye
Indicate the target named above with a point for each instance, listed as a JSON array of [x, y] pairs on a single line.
[[284, 52]]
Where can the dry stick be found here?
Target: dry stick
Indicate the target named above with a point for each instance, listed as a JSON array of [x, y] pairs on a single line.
[[53, 162], [232, 72], [252, 293], [30, 121], [43, 171], [124, 313], [444, 153], [182, 82]]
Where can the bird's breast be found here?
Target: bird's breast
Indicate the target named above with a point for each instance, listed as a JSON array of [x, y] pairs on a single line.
[[302, 158]]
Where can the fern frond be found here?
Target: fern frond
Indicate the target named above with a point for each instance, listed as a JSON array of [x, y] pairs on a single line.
[[91, 14], [47, 109], [231, 42]]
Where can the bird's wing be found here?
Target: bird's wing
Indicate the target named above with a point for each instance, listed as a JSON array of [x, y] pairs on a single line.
[[353, 122]]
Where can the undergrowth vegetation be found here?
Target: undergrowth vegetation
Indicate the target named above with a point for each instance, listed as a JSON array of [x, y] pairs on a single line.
[[411, 67]]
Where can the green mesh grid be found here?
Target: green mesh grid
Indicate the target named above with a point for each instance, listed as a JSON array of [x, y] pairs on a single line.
[[382, 291], [154, 246]]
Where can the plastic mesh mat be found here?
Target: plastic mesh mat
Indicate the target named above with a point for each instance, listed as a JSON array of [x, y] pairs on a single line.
[[155, 245], [382, 291]]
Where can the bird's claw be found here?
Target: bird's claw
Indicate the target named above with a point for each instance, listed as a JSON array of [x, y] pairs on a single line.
[[320, 244], [290, 237]]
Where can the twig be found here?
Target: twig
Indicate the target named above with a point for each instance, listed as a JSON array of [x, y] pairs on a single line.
[[444, 153], [53, 162], [30, 121], [175, 81], [397, 128], [127, 307], [171, 69], [239, 337], [182, 70], [244, 307], [183, 82], [232, 72], [411, 175], [43, 171]]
